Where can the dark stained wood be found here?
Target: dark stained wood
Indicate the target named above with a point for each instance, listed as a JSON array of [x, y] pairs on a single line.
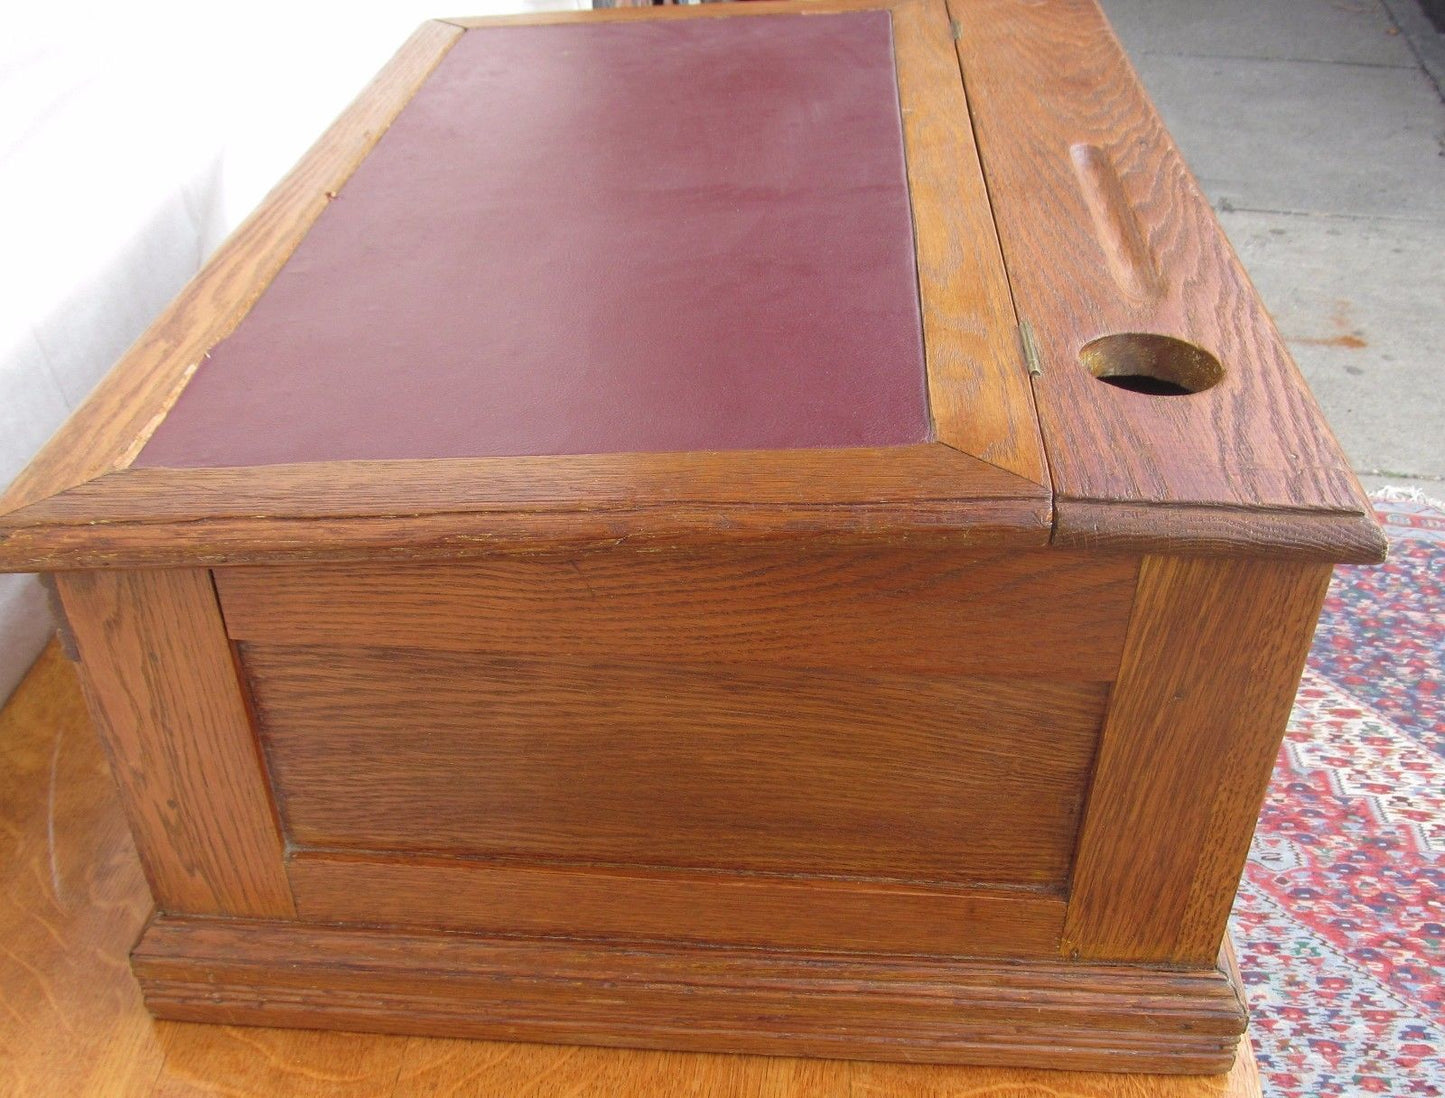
[[167, 702], [929, 1010], [456, 508], [1215, 652], [773, 769], [75, 901], [1105, 231], [899, 610], [110, 427], [622, 904]]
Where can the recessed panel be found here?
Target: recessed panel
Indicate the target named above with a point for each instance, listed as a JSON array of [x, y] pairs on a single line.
[[902, 777]]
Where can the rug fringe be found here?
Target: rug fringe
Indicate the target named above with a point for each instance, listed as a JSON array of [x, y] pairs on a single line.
[[1392, 494]]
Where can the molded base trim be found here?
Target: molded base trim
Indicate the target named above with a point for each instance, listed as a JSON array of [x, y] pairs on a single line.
[[1017, 1013]]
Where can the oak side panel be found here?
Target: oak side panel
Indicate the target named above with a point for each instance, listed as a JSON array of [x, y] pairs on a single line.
[[909, 609], [167, 701], [769, 769], [1214, 655], [1105, 231], [78, 900], [109, 428], [978, 385], [774, 910]]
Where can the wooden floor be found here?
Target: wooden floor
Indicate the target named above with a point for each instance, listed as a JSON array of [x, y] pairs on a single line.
[[72, 901]]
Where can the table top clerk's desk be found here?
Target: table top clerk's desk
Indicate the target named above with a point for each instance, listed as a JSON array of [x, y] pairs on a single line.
[[771, 529]]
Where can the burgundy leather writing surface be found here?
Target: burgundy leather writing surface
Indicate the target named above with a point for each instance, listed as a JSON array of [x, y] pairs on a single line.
[[588, 238]]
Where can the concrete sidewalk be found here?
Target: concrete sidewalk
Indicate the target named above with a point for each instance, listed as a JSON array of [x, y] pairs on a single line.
[[1320, 137]]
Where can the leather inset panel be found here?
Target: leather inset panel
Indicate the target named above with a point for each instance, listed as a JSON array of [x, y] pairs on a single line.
[[666, 236]]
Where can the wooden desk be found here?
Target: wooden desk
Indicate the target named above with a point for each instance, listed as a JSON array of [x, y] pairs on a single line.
[[75, 899], [776, 528]]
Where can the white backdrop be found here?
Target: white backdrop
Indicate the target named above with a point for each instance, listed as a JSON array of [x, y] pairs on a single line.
[[133, 137]]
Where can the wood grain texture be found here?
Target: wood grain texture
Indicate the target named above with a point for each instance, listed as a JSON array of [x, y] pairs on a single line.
[[978, 386], [635, 905], [468, 1069], [1074, 1016], [770, 769], [1219, 531], [167, 701], [1286, 492], [454, 508], [1215, 652], [72, 902], [1105, 231], [878, 1080], [78, 1026], [898, 610], [236, 1061], [73, 898], [110, 427]]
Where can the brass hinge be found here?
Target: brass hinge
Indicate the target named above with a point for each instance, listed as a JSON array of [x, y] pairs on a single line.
[[1031, 348]]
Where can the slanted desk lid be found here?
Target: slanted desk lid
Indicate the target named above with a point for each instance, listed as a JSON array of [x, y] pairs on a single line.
[[683, 275], [654, 276]]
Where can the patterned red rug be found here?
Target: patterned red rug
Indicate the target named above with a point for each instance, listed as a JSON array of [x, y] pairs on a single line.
[[1340, 921]]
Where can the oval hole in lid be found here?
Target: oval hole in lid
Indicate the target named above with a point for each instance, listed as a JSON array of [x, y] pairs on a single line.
[[1157, 365]]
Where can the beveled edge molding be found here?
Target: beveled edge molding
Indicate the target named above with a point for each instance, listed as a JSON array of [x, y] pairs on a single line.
[[466, 507], [1324, 536], [938, 1010]]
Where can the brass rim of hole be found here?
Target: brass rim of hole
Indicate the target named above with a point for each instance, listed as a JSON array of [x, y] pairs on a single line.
[[1165, 359]]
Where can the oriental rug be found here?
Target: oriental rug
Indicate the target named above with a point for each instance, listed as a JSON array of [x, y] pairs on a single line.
[[1340, 920]]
